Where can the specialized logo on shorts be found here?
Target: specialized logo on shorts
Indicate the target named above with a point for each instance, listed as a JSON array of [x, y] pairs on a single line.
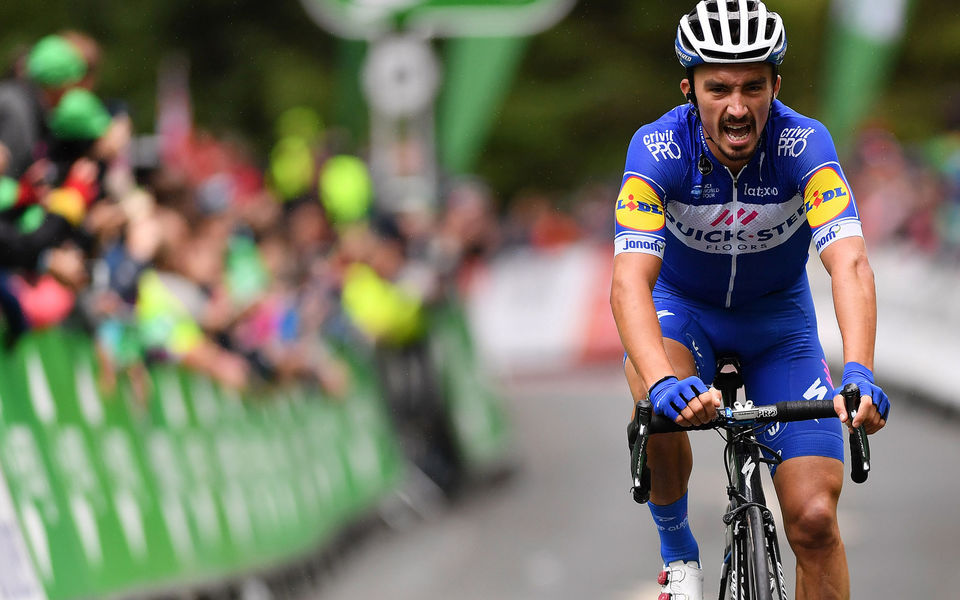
[[661, 145], [793, 141], [638, 206], [826, 196], [776, 429]]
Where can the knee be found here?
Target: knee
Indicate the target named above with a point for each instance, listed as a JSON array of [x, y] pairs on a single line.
[[813, 526]]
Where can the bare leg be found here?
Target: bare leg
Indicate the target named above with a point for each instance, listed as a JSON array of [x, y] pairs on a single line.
[[808, 488]]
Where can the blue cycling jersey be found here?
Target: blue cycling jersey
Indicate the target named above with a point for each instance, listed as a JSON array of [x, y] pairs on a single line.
[[728, 238]]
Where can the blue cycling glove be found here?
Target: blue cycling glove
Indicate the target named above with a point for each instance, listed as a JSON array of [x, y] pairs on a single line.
[[854, 372], [669, 396]]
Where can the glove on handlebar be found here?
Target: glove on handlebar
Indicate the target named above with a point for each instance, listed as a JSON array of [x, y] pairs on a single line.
[[854, 372], [670, 396]]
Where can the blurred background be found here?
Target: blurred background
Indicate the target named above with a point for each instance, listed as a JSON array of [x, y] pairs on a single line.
[[309, 299]]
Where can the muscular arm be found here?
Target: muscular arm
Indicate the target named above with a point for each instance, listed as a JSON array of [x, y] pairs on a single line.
[[855, 302], [854, 297], [634, 275]]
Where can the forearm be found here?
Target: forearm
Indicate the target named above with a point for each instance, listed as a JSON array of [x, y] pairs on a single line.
[[855, 303], [636, 318]]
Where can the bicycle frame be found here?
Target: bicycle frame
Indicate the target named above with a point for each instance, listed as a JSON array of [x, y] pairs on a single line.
[[752, 567], [752, 559]]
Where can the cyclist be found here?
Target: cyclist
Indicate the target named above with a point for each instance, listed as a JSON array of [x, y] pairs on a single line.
[[719, 203]]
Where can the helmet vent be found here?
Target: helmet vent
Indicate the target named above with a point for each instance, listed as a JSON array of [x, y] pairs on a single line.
[[715, 29], [771, 26], [735, 32], [736, 56], [697, 30], [730, 31]]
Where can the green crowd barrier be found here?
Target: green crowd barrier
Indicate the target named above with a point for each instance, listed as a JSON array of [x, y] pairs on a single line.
[[105, 493], [475, 410]]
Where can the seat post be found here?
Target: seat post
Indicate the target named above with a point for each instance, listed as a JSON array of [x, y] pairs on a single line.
[[728, 378]]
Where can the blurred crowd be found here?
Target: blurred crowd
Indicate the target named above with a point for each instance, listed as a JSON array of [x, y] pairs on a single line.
[[185, 247], [909, 194]]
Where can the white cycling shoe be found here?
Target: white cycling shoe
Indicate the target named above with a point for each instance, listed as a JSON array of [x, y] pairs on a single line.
[[681, 581]]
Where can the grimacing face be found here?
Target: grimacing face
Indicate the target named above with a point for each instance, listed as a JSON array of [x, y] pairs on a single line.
[[734, 102]]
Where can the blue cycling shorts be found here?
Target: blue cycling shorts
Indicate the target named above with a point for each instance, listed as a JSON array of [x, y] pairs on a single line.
[[775, 338]]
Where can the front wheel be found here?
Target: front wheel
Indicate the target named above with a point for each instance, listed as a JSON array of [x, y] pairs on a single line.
[[762, 580]]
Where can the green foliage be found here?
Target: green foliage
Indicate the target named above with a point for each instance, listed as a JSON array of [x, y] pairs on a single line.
[[248, 60], [583, 89]]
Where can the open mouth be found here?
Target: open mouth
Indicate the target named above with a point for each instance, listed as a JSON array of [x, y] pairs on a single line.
[[737, 133]]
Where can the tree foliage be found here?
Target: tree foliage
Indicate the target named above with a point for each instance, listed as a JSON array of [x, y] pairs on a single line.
[[583, 88]]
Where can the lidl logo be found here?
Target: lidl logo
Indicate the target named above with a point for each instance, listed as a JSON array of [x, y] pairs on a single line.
[[826, 197], [639, 207]]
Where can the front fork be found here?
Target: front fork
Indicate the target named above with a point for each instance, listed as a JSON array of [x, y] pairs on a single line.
[[745, 486]]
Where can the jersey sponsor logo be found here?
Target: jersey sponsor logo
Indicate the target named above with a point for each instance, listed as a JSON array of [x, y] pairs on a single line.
[[827, 196], [759, 191], [654, 246], [842, 228], [739, 227], [638, 206], [793, 141], [704, 192], [727, 217], [661, 145], [828, 237]]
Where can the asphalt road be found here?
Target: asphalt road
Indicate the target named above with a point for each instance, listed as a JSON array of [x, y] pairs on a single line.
[[565, 528]]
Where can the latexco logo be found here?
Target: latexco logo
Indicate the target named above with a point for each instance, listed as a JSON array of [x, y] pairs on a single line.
[[793, 141], [661, 145], [760, 192]]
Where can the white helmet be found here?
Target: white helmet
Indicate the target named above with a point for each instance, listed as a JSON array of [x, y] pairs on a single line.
[[730, 31]]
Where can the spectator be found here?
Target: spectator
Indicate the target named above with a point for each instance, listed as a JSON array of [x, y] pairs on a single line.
[[52, 66]]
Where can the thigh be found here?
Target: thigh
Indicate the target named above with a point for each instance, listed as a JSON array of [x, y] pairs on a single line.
[[682, 323], [794, 368]]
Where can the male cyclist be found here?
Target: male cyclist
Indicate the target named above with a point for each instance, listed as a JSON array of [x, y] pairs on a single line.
[[720, 201]]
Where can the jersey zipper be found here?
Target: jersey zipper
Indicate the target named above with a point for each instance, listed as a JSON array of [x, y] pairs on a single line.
[[736, 231]]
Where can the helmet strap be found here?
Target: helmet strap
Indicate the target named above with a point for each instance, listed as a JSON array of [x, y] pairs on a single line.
[[692, 95]]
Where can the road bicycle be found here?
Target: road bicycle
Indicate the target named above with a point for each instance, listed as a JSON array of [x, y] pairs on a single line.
[[751, 569]]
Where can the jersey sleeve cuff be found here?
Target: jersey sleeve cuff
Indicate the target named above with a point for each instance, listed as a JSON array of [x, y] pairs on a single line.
[[837, 230], [639, 242]]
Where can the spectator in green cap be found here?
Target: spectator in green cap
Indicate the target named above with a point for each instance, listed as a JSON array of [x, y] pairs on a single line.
[[80, 115], [52, 66], [55, 63]]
